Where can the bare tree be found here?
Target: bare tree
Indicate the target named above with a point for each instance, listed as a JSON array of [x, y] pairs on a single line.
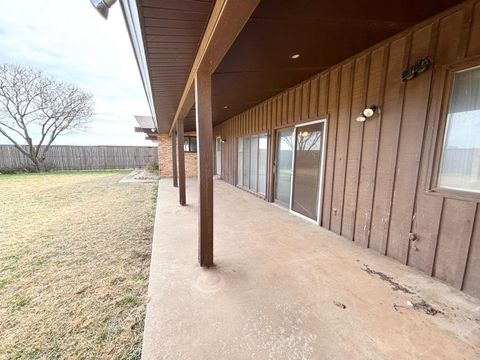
[[306, 141], [36, 109]]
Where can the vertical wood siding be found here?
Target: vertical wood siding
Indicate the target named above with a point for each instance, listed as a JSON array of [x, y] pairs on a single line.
[[376, 172]]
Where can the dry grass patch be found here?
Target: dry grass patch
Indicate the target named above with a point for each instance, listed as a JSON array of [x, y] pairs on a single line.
[[74, 258]]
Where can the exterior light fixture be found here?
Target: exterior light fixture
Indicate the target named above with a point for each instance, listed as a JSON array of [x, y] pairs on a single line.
[[295, 56], [223, 140], [367, 113], [103, 6], [225, 107]]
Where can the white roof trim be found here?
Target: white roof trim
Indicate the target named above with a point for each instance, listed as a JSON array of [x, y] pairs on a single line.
[[130, 14]]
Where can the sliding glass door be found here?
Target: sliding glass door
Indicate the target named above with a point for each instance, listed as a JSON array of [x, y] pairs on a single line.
[[252, 163], [246, 162], [283, 166], [307, 169], [298, 168], [218, 156], [262, 164], [240, 161]]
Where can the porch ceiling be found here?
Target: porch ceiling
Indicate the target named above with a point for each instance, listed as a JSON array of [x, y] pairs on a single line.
[[259, 64], [172, 31]]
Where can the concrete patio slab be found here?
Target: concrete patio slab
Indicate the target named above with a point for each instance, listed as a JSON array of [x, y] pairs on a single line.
[[284, 288]]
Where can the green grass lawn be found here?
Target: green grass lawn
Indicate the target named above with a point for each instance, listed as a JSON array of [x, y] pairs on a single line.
[[74, 259]]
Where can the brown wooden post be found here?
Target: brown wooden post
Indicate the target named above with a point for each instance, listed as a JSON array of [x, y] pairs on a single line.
[[174, 159], [181, 164], [203, 108]]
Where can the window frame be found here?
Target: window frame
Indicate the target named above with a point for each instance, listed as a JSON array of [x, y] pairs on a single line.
[[446, 75], [249, 186], [189, 138], [238, 178]]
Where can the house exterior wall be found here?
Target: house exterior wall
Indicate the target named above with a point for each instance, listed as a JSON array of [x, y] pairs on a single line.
[[377, 172], [165, 166]]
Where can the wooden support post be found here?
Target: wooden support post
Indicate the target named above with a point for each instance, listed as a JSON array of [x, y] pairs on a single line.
[[181, 164], [174, 159], [203, 108]]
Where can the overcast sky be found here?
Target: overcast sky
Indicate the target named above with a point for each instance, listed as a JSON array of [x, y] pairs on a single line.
[[69, 40]]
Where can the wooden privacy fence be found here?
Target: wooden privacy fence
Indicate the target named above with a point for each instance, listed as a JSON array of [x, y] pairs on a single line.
[[65, 157]]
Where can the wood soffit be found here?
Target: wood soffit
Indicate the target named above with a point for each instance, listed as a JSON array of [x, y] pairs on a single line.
[[259, 65]]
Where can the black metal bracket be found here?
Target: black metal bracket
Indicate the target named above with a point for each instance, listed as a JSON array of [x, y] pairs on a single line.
[[419, 67]]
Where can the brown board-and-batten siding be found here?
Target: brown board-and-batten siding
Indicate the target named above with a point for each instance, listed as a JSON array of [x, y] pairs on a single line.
[[377, 172]]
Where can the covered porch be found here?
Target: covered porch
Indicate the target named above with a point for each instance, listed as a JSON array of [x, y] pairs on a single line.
[[284, 288], [338, 110]]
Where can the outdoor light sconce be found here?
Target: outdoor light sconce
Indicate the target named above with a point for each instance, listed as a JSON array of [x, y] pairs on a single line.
[[367, 113], [103, 6], [419, 67], [223, 140]]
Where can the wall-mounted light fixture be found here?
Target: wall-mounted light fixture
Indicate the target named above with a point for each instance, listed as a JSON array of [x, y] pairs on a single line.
[[361, 118], [368, 112], [223, 140], [103, 6]]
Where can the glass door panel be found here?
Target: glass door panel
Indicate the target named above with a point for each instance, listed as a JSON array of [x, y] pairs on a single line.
[[253, 162], [246, 162], [218, 156], [306, 174], [262, 163], [283, 166], [240, 162]]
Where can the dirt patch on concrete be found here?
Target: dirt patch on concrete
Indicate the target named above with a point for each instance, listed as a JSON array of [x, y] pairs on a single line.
[[393, 284]]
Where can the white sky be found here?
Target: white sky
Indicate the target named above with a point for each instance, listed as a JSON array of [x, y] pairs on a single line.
[[69, 40]]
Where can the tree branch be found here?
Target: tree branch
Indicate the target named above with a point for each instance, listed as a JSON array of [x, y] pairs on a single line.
[[30, 100]]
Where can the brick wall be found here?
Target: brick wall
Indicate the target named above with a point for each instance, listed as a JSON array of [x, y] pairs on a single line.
[[165, 158], [190, 164], [164, 155]]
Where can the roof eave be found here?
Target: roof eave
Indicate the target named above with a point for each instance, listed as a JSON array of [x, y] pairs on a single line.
[[132, 21]]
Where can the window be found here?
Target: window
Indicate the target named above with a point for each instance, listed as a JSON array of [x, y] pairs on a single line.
[[246, 162], [262, 164], [460, 159], [190, 144], [240, 162], [252, 163]]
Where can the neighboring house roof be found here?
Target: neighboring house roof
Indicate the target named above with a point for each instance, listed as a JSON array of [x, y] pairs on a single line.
[[147, 126], [145, 122]]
